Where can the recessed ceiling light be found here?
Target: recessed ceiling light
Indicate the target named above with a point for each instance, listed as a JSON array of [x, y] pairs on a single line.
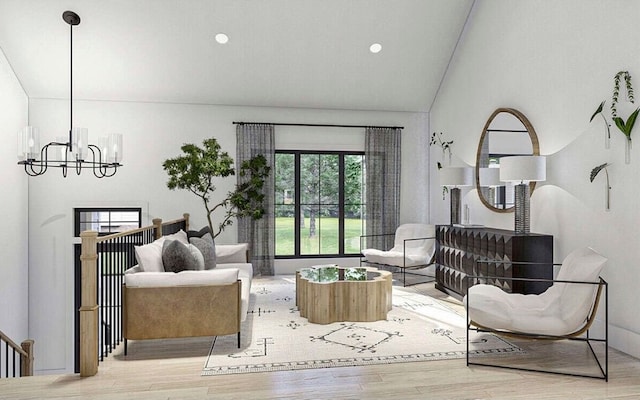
[[222, 38], [375, 48]]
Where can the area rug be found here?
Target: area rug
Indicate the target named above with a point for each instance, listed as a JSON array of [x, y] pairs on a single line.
[[274, 337]]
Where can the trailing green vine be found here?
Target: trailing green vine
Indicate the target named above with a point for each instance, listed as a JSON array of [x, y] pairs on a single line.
[[625, 126], [436, 138], [445, 145]]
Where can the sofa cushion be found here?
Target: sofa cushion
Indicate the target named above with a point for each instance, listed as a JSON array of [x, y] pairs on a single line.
[[149, 257], [231, 253], [180, 235], [183, 278], [198, 234], [176, 256], [207, 247]]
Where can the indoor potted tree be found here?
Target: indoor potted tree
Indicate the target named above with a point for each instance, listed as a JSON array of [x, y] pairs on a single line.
[[196, 169]]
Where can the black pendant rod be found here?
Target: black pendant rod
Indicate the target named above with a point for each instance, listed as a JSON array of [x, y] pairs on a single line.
[[321, 125], [72, 19], [70, 85]]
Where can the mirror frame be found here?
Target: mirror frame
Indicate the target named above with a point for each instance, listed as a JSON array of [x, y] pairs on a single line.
[[534, 144]]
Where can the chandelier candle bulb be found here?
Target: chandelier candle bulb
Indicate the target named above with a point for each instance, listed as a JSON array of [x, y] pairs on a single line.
[[28, 143], [115, 147], [80, 138]]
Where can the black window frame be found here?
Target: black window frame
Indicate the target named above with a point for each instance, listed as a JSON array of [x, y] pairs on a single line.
[[77, 212], [78, 265], [341, 206]]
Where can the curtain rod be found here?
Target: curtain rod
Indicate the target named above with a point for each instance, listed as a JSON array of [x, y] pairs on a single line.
[[322, 125]]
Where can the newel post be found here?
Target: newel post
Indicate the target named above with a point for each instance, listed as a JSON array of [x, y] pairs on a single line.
[[89, 306], [186, 221], [26, 368], [157, 228]]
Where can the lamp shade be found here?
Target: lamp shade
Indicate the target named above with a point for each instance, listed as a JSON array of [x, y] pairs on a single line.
[[523, 169], [489, 177], [456, 176]]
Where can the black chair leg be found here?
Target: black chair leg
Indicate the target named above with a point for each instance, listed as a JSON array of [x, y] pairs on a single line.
[[125, 347], [238, 339]]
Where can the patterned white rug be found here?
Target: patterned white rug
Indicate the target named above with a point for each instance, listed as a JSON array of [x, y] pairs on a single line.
[[274, 336]]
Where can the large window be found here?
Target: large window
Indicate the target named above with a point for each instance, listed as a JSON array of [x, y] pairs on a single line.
[[319, 203]]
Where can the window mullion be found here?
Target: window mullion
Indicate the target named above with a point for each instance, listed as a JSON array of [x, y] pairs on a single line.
[[341, 180], [298, 208]]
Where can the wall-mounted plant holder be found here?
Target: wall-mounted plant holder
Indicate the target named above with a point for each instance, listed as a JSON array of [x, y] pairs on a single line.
[[627, 151], [607, 188]]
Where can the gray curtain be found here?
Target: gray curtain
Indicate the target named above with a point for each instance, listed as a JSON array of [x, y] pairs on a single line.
[[382, 159], [252, 140]]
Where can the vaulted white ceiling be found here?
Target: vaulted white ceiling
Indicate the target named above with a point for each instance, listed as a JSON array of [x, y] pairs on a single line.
[[281, 53]]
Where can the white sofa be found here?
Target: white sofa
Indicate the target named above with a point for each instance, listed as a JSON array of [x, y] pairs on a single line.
[[188, 303], [230, 256]]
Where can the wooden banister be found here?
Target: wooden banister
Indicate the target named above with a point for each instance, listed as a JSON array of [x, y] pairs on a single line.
[[89, 308], [26, 353], [12, 344]]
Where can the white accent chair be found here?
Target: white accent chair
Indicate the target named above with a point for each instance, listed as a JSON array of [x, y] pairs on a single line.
[[566, 310], [414, 248]]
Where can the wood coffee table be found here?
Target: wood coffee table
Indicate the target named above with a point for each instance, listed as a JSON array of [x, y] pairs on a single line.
[[332, 298]]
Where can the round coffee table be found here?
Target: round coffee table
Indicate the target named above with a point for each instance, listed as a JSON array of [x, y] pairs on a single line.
[[329, 294]]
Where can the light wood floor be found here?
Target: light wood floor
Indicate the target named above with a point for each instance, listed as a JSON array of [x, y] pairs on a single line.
[[170, 369]]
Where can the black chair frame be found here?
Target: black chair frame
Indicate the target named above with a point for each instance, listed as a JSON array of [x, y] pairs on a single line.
[[581, 335], [396, 268]]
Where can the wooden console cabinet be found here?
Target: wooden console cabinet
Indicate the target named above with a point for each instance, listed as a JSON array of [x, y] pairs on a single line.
[[458, 249]]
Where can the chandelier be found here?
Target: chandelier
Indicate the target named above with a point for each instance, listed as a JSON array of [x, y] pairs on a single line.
[[75, 153]]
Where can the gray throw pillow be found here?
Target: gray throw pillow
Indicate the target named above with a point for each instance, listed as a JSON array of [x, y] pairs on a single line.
[[176, 257], [208, 249]]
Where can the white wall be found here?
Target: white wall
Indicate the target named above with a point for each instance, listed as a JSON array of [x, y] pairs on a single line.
[[555, 61], [153, 133], [13, 198]]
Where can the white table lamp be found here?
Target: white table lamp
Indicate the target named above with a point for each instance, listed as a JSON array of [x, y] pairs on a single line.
[[521, 170]]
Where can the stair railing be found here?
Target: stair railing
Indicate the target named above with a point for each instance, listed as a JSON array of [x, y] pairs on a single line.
[[15, 361], [104, 260]]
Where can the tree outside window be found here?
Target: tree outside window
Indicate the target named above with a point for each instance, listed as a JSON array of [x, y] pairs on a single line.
[[319, 203]]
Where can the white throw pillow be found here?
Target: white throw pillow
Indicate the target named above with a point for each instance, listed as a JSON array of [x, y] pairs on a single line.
[[149, 257]]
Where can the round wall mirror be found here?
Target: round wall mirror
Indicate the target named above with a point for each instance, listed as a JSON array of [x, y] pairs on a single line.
[[507, 133]]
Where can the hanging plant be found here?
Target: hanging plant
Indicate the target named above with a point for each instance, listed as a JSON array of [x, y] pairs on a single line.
[[445, 189], [625, 126], [607, 137], [592, 176], [436, 139]]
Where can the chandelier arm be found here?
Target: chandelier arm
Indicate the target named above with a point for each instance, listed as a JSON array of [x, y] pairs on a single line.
[[96, 166], [28, 168]]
